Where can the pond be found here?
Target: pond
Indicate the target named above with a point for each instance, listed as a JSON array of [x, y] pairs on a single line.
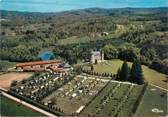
[[46, 55]]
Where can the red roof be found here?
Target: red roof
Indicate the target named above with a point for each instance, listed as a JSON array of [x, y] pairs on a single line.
[[37, 63]]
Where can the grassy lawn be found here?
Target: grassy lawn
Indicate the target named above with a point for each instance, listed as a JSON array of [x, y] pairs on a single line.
[[11, 108], [4, 65], [153, 98], [150, 75]]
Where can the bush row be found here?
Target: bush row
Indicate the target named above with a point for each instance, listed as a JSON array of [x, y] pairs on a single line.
[[96, 96], [98, 74]]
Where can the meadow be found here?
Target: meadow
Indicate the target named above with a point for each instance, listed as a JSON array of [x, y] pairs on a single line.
[[10, 108], [85, 39], [154, 98], [150, 75], [5, 65]]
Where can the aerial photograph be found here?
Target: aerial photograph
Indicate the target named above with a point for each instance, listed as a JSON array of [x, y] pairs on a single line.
[[83, 58]]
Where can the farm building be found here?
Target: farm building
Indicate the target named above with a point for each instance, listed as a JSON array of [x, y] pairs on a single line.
[[40, 66], [66, 66], [96, 56]]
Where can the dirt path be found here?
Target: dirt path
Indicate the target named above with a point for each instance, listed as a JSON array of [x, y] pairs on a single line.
[[107, 80], [159, 87]]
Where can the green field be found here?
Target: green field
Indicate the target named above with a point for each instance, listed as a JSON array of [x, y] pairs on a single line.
[[85, 39], [153, 98], [4, 65], [150, 75], [114, 100], [10, 108]]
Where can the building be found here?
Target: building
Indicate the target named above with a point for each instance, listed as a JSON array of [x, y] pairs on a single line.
[[66, 66], [96, 56], [40, 66]]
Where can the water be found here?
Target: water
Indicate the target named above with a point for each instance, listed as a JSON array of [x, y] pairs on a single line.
[[46, 55], [63, 5]]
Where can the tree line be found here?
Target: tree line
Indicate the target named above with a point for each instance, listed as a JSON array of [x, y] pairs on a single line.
[[133, 74]]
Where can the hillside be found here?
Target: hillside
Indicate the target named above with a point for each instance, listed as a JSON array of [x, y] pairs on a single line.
[[140, 32], [112, 66]]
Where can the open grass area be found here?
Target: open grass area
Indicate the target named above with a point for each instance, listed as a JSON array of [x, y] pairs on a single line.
[[73, 40], [5, 65], [153, 98], [150, 75], [115, 100], [12, 109]]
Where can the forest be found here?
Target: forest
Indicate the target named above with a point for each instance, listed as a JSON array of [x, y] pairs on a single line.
[[125, 33]]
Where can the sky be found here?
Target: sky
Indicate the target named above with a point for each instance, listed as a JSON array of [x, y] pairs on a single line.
[[64, 5]]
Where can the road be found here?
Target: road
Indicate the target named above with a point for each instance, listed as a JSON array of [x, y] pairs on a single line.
[[159, 87], [28, 105], [104, 80]]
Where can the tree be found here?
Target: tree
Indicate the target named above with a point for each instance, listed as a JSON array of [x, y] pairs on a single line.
[[79, 70], [70, 56], [137, 73], [14, 83], [24, 81], [92, 67], [149, 52], [128, 54], [96, 62], [54, 101], [110, 51], [124, 73], [118, 74]]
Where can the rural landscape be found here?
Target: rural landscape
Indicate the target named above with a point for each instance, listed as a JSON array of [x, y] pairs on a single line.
[[91, 62]]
